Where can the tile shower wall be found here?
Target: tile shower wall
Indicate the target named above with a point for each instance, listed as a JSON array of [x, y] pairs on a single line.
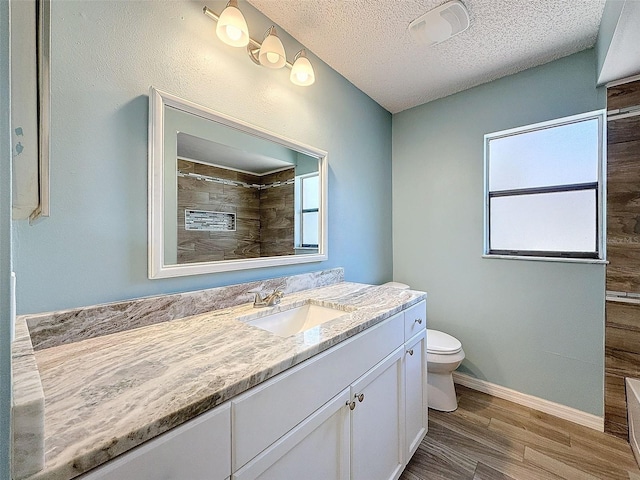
[[263, 207], [198, 194], [622, 327], [277, 214]]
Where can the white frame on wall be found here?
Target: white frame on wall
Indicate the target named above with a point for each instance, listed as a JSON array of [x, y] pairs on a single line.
[[156, 198]]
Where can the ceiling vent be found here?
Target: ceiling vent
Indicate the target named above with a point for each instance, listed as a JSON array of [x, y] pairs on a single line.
[[440, 23]]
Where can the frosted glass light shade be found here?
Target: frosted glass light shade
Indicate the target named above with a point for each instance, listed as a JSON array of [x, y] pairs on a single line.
[[302, 72], [272, 51], [232, 27]]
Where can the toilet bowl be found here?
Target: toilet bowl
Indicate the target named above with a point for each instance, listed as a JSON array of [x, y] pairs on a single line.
[[444, 355]]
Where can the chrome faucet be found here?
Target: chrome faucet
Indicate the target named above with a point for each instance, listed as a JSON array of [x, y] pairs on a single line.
[[269, 300]]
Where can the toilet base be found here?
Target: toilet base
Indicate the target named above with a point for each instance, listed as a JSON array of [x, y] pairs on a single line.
[[441, 393]]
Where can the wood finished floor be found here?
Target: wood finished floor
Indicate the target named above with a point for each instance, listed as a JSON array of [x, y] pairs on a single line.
[[488, 438]]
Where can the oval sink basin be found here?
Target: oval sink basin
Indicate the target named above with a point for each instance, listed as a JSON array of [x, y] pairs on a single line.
[[295, 320]]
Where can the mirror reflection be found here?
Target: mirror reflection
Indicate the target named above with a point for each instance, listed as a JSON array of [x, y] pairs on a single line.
[[236, 204], [230, 193]]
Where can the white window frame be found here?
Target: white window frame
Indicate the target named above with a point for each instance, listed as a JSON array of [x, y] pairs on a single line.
[[600, 256], [300, 211]]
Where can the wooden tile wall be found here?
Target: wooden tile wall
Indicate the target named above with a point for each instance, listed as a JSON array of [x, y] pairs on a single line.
[[264, 218], [277, 215], [622, 326], [625, 95]]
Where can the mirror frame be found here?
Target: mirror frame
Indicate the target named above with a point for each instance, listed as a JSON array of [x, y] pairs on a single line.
[[158, 100]]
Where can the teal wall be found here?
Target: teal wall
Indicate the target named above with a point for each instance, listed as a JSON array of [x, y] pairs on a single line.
[[535, 327], [5, 241], [105, 55]]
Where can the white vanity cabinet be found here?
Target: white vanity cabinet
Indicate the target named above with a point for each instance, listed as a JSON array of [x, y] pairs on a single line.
[[262, 415], [200, 449], [356, 435], [357, 411], [343, 414]]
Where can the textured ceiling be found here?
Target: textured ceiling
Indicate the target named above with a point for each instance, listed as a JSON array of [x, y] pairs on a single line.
[[368, 42]]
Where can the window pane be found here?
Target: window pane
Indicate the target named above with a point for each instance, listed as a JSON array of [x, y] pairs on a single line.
[[310, 228], [311, 192], [554, 222], [561, 155]]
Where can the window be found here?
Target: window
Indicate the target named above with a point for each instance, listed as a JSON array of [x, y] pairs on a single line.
[[544, 189], [307, 210]]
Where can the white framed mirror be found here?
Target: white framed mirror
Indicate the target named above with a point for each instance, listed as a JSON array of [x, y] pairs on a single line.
[[226, 195]]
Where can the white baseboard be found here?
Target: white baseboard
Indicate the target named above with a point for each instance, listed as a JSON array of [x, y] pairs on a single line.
[[537, 403]]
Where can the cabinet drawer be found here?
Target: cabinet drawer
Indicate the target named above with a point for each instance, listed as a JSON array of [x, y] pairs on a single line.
[[415, 319], [198, 450], [268, 411]]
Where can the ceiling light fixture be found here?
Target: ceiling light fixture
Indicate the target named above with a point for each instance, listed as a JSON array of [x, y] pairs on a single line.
[[302, 71], [440, 24], [271, 54], [232, 29]]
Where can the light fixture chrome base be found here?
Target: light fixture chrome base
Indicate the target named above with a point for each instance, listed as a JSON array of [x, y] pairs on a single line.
[[253, 53]]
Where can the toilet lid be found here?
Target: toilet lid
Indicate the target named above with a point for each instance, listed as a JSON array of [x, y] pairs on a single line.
[[440, 342]]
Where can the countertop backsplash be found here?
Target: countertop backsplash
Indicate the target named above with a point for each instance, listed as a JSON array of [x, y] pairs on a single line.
[[68, 326]]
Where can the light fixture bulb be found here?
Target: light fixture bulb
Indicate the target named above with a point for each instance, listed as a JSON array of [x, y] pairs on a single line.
[[233, 32], [302, 73], [272, 57], [232, 27], [271, 53]]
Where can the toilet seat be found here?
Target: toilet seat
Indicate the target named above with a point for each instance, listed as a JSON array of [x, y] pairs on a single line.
[[442, 343]]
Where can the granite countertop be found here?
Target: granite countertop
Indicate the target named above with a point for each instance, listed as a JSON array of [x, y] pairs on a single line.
[[107, 394]]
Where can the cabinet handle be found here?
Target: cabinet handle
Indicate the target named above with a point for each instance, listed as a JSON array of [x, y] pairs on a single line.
[[360, 396], [410, 352], [418, 321], [351, 405]]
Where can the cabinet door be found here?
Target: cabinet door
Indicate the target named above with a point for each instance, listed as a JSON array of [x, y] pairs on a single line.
[[317, 449], [198, 450], [415, 380], [377, 421]]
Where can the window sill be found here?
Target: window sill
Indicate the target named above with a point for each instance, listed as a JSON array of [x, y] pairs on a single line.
[[548, 259]]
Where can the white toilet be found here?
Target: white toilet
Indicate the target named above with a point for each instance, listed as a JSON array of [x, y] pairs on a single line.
[[444, 355]]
